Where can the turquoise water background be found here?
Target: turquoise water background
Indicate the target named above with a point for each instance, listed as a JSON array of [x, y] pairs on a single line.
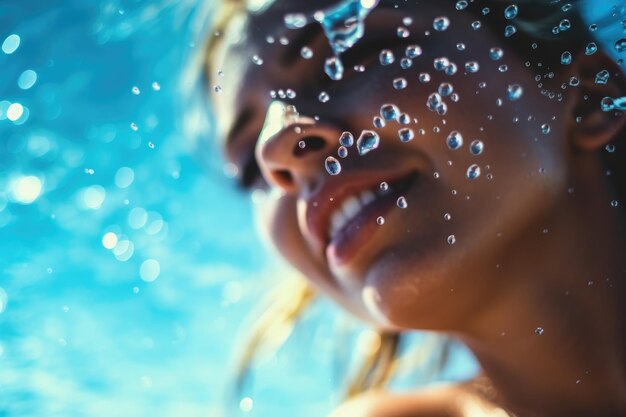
[[128, 258]]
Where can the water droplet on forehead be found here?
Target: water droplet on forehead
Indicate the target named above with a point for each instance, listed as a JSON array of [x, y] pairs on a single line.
[[413, 51], [454, 140], [441, 23], [515, 92], [406, 134], [367, 142], [386, 57], [496, 54], [346, 139], [473, 172], [333, 167], [389, 112]]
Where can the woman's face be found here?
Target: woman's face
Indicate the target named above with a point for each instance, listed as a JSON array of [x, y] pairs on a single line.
[[431, 263]]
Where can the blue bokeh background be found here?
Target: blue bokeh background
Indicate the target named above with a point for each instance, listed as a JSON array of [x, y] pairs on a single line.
[[91, 330]]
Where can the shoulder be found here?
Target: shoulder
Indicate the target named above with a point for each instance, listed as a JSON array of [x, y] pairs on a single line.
[[450, 400]]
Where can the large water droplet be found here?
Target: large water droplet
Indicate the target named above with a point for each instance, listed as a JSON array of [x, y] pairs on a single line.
[[367, 142], [389, 112], [333, 68], [476, 147], [515, 92], [406, 134], [511, 12], [344, 23], [473, 172], [346, 139], [386, 57], [454, 140], [332, 166], [602, 77], [441, 23], [496, 54]]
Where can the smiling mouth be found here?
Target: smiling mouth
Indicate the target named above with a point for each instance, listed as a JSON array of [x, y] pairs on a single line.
[[355, 219]]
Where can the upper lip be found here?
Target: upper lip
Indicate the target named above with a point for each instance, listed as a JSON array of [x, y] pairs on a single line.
[[329, 196]]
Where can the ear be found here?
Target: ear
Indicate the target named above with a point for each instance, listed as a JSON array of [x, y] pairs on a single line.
[[589, 126]]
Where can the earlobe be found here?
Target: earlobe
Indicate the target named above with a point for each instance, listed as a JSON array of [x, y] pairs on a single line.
[[589, 126]]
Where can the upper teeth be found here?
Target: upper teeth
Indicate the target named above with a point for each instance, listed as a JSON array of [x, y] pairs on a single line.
[[348, 209]]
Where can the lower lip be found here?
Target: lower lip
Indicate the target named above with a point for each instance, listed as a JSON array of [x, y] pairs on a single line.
[[355, 235]]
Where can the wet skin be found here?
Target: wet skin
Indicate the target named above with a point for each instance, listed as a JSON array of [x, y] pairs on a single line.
[[521, 259]]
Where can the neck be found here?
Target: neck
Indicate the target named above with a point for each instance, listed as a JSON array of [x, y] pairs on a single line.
[[554, 343]]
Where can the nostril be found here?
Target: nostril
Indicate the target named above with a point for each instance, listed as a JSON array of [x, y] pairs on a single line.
[[283, 178], [309, 144]]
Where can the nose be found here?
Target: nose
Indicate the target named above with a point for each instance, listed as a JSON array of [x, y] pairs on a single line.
[[292, 148]]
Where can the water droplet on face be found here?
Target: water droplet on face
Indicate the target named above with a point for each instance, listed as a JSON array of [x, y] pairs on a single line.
[[346, 139], [496, 54], [515, 92], [402, 32], [344, 23], [424, 77], [386, 57], [564, 25], [574, 81], [295, 20], [471, 67], [384, 186], [445, 89], [461, 5], [614, 203], [545, 128], [591, 48], [323, 97], [399, 83], [434, 101], [342, 152], [476, 25], [451, 240], [441, 23], [566, 58], [509, 31], [135, 90], [460, 46], [440, 63], [367, 142], [406, 134], [257, 60], [302, 144], [620, 45], [380, 220], [389, 112], [539, 330], [407, 21], [610, 148], [413, 51], [447, 217], [476, 147], [602, 77], [333, 167], [378, 122], [402, 203], [511, 12], [454, 140], [406, 63], [451, 69], [306, 52], [473, 172], [404, 119], [333, 68]]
